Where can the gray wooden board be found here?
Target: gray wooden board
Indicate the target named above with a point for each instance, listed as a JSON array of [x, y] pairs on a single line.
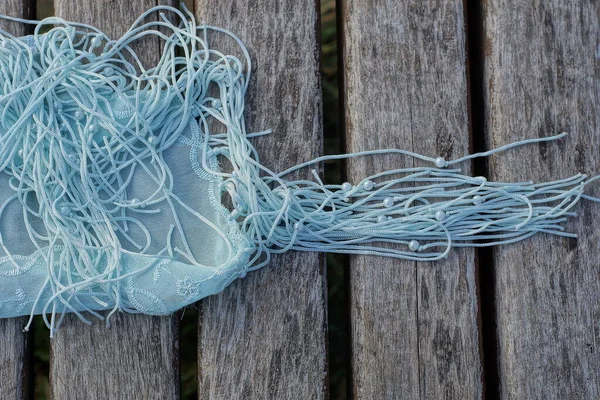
[[13, 342], [414, 327], [265, 335], [138, 356], [542, 77], [13, 365]]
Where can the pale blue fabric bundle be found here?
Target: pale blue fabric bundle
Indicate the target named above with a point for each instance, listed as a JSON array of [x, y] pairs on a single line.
[[114, 180]]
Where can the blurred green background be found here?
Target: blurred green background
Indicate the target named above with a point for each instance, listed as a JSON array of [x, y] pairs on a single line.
[[338, 360]]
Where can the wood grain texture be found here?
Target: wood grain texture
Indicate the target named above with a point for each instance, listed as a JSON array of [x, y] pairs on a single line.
[[138, 357], [14, 367], [414, 330], [265, 336], [542, 77]]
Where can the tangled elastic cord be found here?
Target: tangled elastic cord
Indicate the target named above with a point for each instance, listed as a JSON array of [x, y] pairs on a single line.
[[427, 210], [72, 157]]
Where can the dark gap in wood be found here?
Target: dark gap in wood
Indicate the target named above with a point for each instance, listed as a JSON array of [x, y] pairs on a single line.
[[485, 276], [40, 359], [337, 302], [188, 348], [337, 321], [488, 331], [348, 330], [40, 9], [343, 148], [29, 12]]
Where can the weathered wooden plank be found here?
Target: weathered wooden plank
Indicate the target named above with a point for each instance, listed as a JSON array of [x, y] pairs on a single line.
[[414, 327], [265, 336], [542, 77], [13, 360], [138, 356], [14, 368]]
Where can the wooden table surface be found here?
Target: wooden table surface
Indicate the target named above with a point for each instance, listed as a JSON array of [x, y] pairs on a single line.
[[439, 77]]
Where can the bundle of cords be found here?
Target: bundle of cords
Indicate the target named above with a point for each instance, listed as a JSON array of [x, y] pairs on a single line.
[[80, 115]]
